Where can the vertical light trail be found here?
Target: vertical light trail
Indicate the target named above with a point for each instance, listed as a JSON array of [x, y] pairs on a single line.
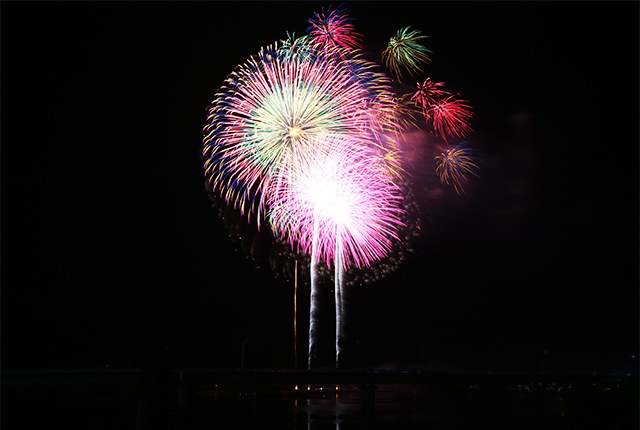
[[338, 297], [295, 316], [313, 312]]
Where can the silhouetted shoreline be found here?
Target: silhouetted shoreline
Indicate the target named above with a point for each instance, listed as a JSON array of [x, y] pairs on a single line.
[[199, 398]]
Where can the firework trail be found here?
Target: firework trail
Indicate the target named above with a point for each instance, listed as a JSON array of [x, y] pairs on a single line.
[[454, 165], [295, 316], [451, 117], [313, 309], [405, 51], [338, 288], [334, 29]]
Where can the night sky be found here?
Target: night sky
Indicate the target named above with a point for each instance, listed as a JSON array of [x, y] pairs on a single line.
[[112, 254]]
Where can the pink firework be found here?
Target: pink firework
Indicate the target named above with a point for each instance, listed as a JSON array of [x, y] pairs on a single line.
[[451, 117], [334, 30], [344, 209], [268, 115], [428, 94]]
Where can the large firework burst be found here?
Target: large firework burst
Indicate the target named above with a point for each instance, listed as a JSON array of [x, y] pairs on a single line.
[[347, 198], [266, 118]]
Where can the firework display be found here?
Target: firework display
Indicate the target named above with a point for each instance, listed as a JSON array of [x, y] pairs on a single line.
[[306, 137]]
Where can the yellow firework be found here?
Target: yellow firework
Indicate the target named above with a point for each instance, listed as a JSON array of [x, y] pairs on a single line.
[[454, 166]]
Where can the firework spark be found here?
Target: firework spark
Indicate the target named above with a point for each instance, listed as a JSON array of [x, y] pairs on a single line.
[[405, 51], [454, 166], [334, 29]]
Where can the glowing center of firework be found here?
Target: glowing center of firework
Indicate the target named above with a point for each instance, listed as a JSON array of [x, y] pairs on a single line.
[[294, 132], [329, 202]]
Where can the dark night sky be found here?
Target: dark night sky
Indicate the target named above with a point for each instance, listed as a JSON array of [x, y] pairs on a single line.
[[113, 255]]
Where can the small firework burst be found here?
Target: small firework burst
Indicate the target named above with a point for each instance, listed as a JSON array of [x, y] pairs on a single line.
[[454, 166], [451, 117], [428, 94], [334, 29], [405, 51]]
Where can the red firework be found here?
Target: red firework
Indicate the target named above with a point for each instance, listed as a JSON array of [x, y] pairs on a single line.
[[428, 94], [334, 30], [451, 117]]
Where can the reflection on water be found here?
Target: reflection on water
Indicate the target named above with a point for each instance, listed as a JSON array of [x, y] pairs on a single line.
[[551, 406], [441, 407]]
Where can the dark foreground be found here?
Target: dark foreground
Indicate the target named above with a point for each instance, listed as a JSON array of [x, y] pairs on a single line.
[[256, 399]]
